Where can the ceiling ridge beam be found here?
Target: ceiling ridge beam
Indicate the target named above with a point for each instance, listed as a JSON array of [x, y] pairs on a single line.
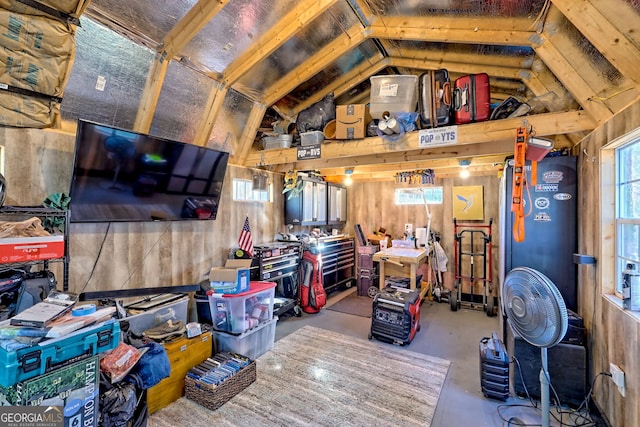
[[191, 23], [298, 18], [314, 64], [474, 133], [468, 57], [604, 35]]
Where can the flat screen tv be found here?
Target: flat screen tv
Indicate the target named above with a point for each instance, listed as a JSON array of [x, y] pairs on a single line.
[[121, 175]]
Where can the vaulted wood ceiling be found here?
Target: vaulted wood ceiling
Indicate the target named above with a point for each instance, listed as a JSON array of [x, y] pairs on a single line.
[[576, 62]]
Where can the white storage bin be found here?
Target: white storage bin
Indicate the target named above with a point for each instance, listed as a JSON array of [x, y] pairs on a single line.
[[252, 343], [395, 94], [237, 313]]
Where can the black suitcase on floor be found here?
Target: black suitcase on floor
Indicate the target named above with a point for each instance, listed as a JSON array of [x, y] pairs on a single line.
[[396, 315], [494, 368], [434, 101]]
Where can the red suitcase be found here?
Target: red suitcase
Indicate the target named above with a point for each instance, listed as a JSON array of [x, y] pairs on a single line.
[[471, 99]]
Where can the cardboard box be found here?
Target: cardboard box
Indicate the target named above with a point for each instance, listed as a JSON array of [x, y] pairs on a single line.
[[233, 278], [184, 354], [73, 387], [20, 249], [352, 121]]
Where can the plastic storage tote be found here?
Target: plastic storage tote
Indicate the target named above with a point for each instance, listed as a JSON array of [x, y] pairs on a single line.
[[252, 344], [237, 313], [395, 94]]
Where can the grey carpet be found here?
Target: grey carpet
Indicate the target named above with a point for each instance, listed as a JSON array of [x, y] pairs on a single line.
[[354, 304], [323, 378]]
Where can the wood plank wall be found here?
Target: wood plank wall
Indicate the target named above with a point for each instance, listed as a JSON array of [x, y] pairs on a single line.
[[372, 205], [131, 255], [39, 163], [613, 333]]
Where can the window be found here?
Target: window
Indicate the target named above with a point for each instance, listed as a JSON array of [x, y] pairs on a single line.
[[414, 196], [627, 168], [243, 191], [620, 211]]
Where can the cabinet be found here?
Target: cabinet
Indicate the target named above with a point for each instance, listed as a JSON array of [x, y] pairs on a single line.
[[338, 262], [29, 251], [310, 206], [336, 204]]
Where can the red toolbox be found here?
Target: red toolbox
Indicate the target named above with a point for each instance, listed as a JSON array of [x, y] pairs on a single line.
[[396, 315], [471, 98]]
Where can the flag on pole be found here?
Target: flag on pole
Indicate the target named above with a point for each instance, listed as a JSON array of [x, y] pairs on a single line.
[[245, 241]]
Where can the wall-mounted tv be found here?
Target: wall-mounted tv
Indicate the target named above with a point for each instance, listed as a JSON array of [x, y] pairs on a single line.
[[121, 175]]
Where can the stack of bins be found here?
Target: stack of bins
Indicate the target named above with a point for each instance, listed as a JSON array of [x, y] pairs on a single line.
[[367, 271], [244, 323]]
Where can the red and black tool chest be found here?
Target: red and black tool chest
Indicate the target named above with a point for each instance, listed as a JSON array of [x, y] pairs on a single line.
[[396, 315]]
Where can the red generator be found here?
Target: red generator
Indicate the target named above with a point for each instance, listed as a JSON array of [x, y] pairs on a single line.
[[396, 315]]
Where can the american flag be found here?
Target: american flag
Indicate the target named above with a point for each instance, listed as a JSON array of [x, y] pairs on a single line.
[[245, 241]]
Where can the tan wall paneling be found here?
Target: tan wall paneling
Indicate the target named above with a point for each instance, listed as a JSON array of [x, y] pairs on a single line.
[[613, 333], [39, 163], [371, 204]]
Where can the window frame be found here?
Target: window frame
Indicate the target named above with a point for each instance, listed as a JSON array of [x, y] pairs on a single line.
[[264, 196], [418, 200], [611, 269]]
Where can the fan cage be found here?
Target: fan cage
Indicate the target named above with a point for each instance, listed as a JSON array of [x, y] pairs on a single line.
[[534, 307]]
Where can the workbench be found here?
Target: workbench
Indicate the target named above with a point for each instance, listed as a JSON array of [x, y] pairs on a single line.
[[401, 262]]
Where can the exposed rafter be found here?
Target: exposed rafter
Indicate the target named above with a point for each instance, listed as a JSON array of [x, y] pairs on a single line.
[[604, 35], [298, 18]]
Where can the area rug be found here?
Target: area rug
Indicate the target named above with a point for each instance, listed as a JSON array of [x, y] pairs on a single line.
[[323, 378], [354, 304]]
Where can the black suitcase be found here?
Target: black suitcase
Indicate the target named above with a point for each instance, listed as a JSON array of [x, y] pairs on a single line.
[[494, 368], [396, 315], [434, 101]]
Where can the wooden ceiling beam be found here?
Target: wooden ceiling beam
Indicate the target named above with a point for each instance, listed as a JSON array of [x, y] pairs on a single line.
[[299, 17], [447, 56], [486, 133], [196, 18], [605, 35], [399, 159], [212, 107], [453, 30], [411, 165], [249, 133], [571, 79], [345, 83], [461, 68], [585, 79], [150, 95], [316, 63]]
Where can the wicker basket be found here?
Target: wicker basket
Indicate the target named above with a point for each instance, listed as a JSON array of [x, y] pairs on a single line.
[[211, 396]]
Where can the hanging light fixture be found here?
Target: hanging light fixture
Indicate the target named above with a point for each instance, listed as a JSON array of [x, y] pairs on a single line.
[[464, 164], [348, 172]]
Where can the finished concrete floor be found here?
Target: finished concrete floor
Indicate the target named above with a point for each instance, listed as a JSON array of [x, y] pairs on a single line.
[[454, 336]]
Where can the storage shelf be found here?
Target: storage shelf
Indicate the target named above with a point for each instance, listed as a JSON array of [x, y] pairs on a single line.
[[20, 213]]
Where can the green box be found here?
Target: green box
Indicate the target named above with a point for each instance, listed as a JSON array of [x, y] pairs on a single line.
[[74, 387]]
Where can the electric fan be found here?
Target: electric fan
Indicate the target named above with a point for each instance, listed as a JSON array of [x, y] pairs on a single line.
[[536, 311]]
